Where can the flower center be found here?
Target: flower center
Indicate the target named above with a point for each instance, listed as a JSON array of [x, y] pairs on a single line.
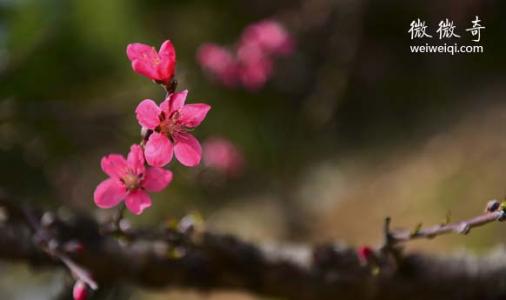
[[170, 125], [131, 181]]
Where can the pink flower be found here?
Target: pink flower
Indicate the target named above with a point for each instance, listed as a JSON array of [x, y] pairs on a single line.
[[80, 292], [218, 61], [254, 65], [270, 36], [171, 123], [158, 66], [129, 180], [222, 155]]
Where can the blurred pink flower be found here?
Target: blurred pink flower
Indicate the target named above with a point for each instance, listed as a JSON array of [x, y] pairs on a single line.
[[158, 66], [270, 36], [254, 76], [171, 123], [129, 180], [219, 61], [250, 64], [222, 155], [255, 67], [79, 291]]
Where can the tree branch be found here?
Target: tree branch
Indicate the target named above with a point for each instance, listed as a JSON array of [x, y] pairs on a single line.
[[208, 261]]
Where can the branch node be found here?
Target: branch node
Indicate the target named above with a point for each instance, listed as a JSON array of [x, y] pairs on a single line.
[[492, 205], [416, 230], [502, 216], [463, 228]]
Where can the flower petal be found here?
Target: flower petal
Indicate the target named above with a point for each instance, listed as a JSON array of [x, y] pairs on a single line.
[[137, 201], [174, 102], [158, 150], [191, 115], [137, 50], [146, 69], [144, 60], [114, 165], [167, 64], [135, 159], [156, 179], [167, 51], [109, 193], [187, 149], [148, 113]]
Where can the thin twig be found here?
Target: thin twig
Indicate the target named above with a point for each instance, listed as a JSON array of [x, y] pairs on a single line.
[[77, 271], [44, 239], [461, 227]]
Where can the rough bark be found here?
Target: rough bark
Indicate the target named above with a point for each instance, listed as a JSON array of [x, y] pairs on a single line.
[[198, 259]]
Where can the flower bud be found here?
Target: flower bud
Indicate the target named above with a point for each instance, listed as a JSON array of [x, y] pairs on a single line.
[[80, 291], [365, 253], [74, 247]]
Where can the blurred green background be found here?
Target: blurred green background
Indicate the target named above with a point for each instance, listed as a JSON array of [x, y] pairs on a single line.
[[351, 128]]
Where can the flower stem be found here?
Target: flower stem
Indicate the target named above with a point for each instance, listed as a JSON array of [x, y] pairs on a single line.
[[118, 217]]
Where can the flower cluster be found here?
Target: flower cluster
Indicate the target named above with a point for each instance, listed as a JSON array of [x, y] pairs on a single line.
[[250, 63], [166, 128]]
